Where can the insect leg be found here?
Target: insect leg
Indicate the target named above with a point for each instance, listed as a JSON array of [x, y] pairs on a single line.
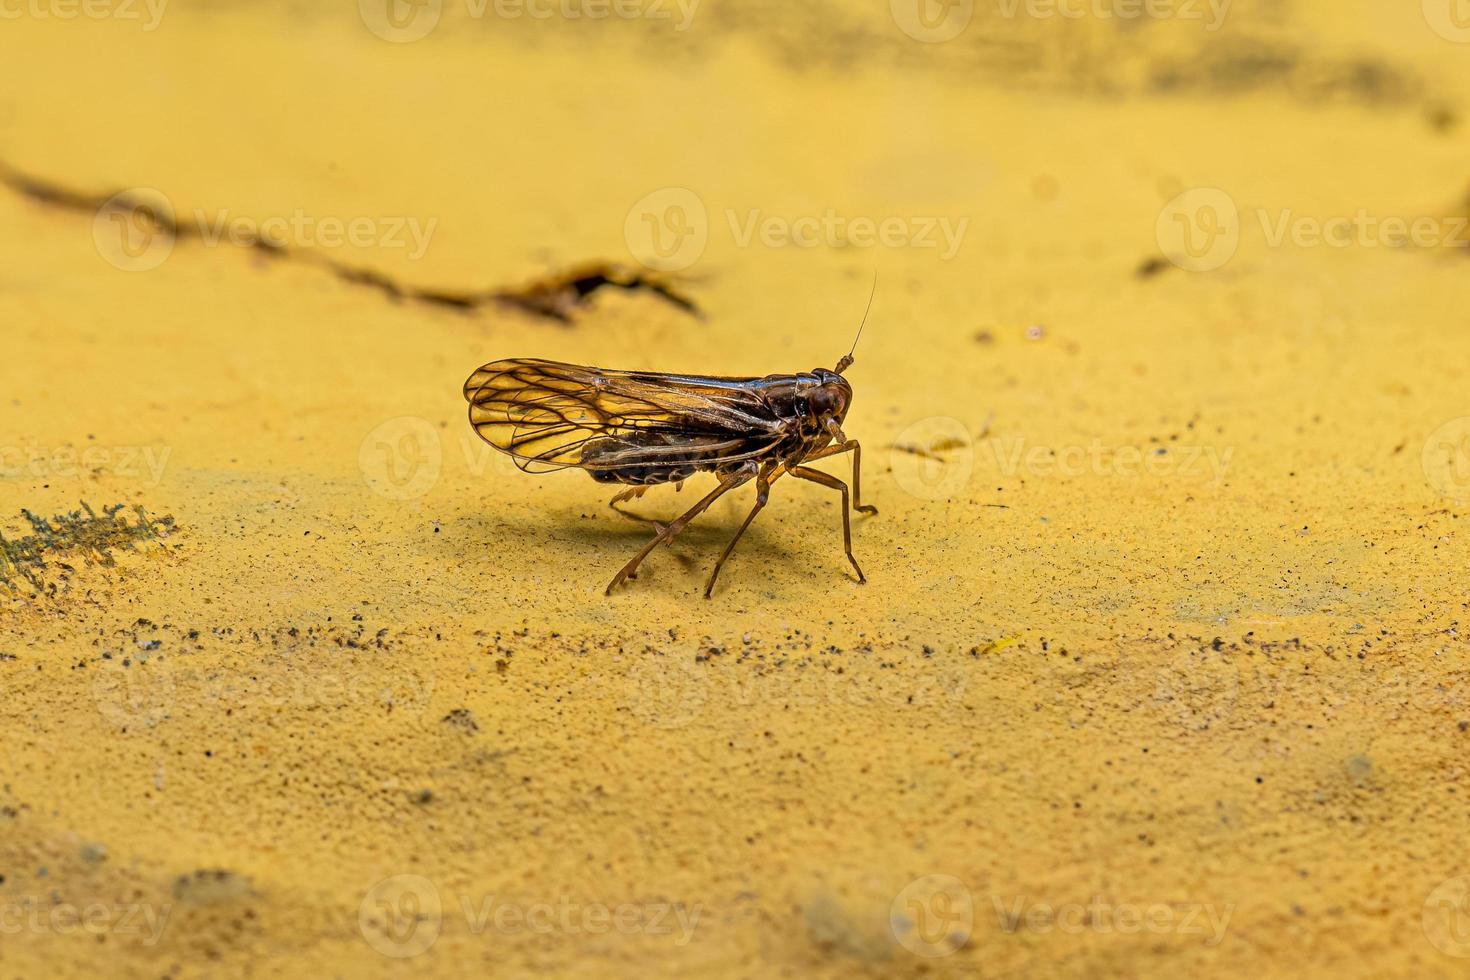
[[671, 530], [762, 493], [827, 480], [857, 479], [853, 446], [632, 493]]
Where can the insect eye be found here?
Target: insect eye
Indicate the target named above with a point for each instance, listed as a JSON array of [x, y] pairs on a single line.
[[824, 401]]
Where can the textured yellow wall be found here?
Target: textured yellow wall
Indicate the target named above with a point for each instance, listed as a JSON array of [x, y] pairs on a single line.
[[1161, 666]]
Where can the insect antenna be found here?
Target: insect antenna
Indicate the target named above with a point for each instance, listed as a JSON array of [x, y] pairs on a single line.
[[847, 358]]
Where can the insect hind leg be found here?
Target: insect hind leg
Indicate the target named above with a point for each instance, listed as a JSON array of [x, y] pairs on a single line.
[[671, 530], [762, 494]]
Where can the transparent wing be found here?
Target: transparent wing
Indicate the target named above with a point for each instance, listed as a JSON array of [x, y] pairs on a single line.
[[549, 416]]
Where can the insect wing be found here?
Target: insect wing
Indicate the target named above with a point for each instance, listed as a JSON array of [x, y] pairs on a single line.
[[549, 416]]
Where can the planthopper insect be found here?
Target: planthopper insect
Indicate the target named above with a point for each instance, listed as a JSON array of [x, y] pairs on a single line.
[[642, 428]]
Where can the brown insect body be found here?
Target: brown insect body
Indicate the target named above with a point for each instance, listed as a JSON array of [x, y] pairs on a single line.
[[641, 428], [804, 403]]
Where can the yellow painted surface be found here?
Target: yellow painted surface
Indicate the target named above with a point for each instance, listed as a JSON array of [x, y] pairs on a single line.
[[1161, 665]]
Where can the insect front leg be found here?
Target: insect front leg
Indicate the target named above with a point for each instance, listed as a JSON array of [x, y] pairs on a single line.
[[762, 494], [671, 530], [844, 445], [826, 480]]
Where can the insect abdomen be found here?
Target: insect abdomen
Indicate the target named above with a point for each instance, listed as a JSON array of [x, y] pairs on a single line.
[[647, 459]]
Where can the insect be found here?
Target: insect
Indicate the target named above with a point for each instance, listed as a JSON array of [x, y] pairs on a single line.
[[642, 428]]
